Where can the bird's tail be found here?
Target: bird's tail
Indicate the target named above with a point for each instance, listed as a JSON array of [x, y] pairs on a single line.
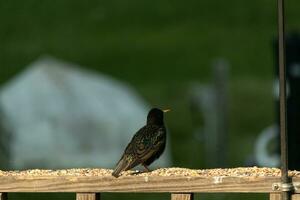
[[121, 166]]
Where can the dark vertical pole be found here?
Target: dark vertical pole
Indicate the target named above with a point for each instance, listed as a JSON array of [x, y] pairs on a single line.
[[282, 99]]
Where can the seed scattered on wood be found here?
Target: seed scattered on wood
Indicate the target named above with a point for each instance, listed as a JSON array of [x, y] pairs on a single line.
[[232, 172]]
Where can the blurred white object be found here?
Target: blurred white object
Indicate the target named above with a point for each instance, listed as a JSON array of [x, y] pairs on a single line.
[[263, 156], [62, 116]]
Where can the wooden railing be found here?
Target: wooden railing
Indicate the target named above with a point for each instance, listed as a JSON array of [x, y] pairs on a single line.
[[180, 187]]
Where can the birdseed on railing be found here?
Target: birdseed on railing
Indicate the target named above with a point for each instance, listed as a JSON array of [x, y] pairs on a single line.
[[232, 172]]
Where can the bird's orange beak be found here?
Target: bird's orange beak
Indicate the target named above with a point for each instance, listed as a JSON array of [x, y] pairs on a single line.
[[166, 110]]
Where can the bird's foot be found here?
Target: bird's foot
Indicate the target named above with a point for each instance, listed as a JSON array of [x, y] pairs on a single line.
[[140, 172], [146, 168]]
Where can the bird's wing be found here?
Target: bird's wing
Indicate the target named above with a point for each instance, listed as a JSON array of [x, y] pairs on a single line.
[[160, 146], [143, 146], [127, 161], [147, 142]]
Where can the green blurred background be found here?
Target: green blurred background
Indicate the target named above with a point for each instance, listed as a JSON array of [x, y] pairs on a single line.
[[160, 48]]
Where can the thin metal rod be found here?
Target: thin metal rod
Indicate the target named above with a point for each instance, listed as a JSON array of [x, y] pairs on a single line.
[[282, 98]]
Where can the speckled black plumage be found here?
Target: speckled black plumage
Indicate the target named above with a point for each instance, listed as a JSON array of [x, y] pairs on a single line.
[[146, 145]]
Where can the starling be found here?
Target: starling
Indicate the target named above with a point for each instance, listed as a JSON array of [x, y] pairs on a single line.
[[146, 145]]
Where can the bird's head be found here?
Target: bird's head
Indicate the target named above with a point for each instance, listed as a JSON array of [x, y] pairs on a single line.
[[156, 116]]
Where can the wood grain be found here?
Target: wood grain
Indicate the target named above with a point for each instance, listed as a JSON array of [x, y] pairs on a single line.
[[87, 196], [275, 196], [172, 184], [187, 196], [295, 196]]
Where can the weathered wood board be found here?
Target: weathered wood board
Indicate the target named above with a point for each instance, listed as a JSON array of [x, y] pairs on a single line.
[[185, 181]]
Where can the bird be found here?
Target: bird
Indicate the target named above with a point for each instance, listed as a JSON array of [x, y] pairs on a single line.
[[147, 144]]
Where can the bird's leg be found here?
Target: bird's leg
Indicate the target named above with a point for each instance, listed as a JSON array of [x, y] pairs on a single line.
[[145, 166]]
